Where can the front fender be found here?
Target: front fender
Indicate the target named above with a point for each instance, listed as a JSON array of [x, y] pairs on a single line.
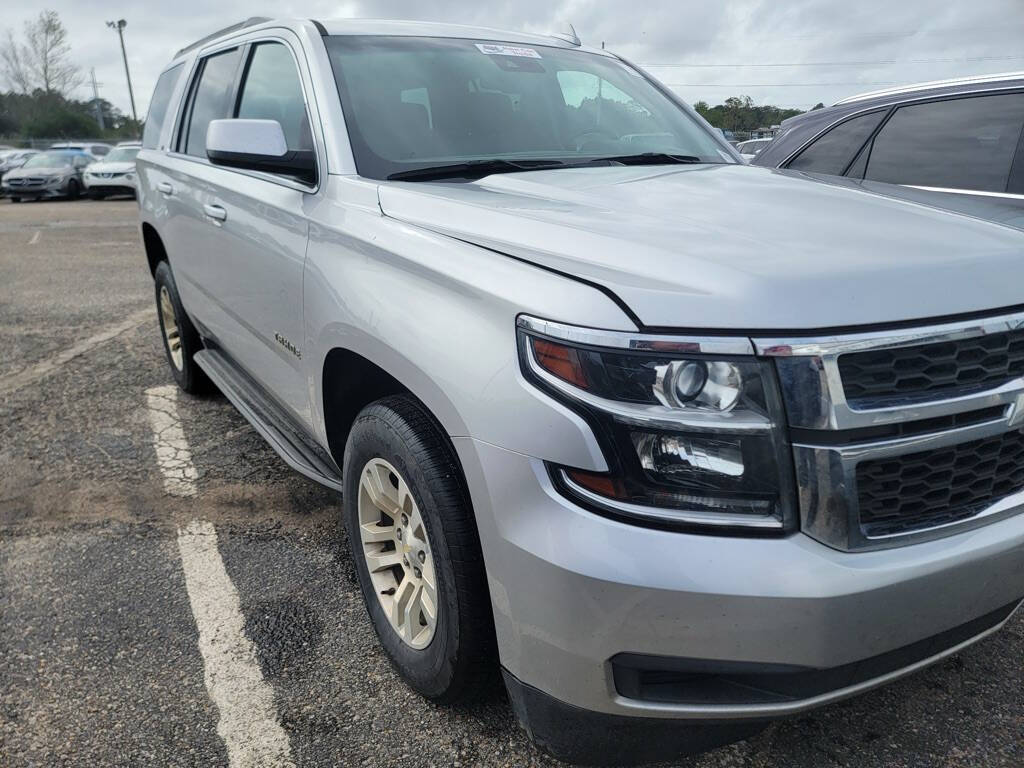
[[439, 316]]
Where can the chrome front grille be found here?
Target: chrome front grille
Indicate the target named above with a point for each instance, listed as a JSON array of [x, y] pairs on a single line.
[[927, 369], [28, 181], [931, 444]]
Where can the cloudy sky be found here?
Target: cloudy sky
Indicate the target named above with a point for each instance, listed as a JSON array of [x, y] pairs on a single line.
[[784, 52]]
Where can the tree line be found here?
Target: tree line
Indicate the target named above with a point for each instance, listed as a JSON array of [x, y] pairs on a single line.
[[41, 78], [740, 115]]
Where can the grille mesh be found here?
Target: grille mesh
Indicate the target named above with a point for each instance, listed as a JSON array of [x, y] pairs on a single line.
[[921, 490], [979, 361]]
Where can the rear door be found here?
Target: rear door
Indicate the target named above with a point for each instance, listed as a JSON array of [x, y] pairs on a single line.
[[242, 235]]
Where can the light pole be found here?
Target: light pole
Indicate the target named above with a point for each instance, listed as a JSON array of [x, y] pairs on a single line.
[[119, 26]]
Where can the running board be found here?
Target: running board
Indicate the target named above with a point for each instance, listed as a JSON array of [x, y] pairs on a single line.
[[269, 419]]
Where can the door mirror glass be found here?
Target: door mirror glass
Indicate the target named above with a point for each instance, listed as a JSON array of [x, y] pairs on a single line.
[[257, 145]]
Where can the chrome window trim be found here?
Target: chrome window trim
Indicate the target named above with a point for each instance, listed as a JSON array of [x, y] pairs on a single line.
[[932, 84], [666, 515], [636, 341], [959, 191]]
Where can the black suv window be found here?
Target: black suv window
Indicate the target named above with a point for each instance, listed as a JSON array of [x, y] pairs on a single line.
[[834, 151], [966, 143], [210, 98], [272, 91]]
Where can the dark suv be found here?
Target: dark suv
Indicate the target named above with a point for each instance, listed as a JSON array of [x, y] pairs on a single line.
[[955, 143]]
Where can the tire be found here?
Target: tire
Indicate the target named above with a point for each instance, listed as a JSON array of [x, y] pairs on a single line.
[[73, 190], [15, 199], [188, 375], [458, 662]]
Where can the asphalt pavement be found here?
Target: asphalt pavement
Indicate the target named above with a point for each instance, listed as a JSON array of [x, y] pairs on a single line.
[[105, 659]]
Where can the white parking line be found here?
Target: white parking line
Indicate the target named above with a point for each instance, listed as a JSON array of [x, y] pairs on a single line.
[[245, 701], [35, 238], [16, 381], [172, 452]]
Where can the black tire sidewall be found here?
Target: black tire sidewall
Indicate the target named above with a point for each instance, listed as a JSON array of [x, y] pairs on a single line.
[[377, 434], [190, 377]]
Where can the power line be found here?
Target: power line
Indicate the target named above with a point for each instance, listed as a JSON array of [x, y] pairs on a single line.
[[878, 62]]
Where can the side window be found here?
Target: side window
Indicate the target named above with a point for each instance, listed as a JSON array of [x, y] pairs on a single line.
[[834, 151], [81, 161], [158, 106], [272, 91], [210, 98], [964, 143]]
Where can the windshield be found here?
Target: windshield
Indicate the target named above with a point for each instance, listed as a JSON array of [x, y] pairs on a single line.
[[122, 155], [415, 102], [48, 160]]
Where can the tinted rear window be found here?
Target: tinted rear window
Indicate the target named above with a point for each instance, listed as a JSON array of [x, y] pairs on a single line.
[[158, 106], [958, 144], [834, 151]]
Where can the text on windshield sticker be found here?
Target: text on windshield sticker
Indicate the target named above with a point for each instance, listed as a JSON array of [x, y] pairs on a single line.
[[507, 50]]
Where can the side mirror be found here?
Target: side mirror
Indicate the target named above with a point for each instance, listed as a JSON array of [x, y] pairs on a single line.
[[257, 145]]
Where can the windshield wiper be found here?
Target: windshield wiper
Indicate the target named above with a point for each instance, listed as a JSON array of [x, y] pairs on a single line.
[[654, 158], [474, 169]]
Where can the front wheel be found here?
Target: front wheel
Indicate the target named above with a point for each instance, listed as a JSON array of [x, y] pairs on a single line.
[[416, 550], [181, 340], [73, 190]]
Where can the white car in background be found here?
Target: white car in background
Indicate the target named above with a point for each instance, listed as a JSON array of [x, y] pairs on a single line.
[[114, 174], [750, 149], [14, 158], [95, 148]]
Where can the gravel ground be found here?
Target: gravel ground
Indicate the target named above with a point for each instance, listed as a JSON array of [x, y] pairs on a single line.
[[99, 649]]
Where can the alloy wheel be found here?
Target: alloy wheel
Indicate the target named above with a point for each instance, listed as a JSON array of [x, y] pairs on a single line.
[[397, 551], [172, 334]]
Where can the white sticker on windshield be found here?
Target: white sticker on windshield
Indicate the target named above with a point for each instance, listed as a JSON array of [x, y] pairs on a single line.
[[507, 50]]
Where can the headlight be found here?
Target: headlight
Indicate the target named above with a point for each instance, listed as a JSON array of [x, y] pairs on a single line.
[[692, 439], [55, 180]]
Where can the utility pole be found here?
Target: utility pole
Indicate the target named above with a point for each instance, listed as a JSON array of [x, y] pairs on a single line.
[[96, 100], [119, 25]]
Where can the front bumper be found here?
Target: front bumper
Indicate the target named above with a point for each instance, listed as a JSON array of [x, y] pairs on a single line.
[[571, 591], [119, 184], [36, 190]]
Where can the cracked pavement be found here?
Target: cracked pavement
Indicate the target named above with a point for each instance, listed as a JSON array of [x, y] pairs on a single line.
[[100, 659]]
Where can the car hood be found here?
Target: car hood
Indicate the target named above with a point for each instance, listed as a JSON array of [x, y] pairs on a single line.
[[731, 246], [23, 171], [123, 167]]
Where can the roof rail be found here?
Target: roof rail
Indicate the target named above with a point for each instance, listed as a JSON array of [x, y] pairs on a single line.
[[933, 84], [250, 22]]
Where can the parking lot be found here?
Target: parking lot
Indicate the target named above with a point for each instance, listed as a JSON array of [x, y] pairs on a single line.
[[134, 519]]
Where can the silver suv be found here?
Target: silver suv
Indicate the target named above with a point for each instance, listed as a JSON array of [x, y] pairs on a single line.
[[675, 474]]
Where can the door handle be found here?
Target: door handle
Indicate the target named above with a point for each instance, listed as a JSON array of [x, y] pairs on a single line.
[[165, 188], [215, 212]]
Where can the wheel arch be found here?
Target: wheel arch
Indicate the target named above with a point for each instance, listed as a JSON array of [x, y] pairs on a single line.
[[154, 247], [350, 381]]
